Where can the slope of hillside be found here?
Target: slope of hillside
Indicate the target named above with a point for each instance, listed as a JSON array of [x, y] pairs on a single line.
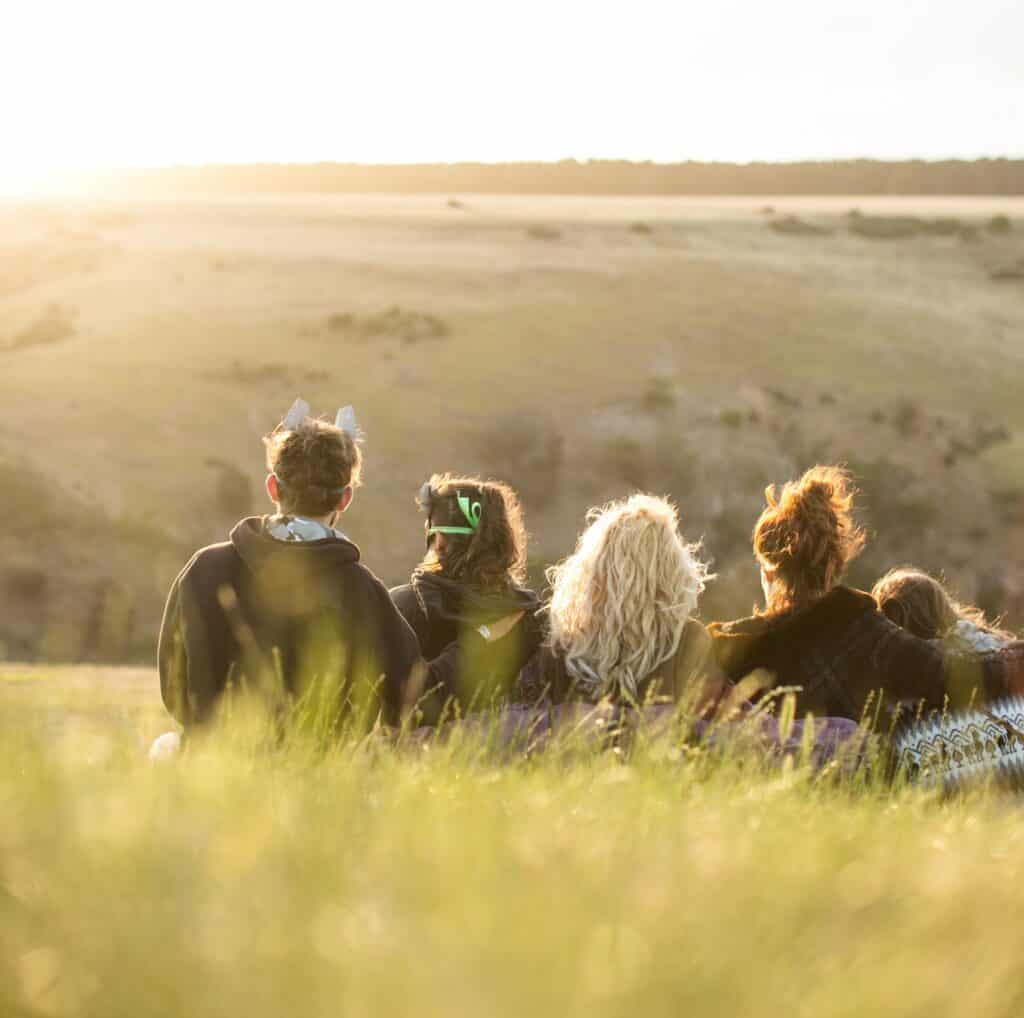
[[579, 347]]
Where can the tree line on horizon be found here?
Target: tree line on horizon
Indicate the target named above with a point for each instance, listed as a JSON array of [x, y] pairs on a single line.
[[598, 177]]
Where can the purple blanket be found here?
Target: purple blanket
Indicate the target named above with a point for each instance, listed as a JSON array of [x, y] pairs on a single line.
[[524, 730]]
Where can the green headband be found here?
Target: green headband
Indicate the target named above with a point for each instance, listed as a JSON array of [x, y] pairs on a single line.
[[473, 512]]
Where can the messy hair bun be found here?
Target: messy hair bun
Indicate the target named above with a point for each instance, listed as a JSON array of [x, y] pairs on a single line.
[[807, 535]]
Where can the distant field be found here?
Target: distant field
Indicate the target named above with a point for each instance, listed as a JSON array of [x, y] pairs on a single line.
[[578, 347], [364, 882]]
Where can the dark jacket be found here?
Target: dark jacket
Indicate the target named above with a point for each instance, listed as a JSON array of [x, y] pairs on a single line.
[[691, 672], [278, 616], [841, 649], [444, 613]]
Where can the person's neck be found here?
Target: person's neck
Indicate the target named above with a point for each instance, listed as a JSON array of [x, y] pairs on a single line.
[[327, 521]]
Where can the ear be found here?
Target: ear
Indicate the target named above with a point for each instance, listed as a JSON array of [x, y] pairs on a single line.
[[346, 499], [273, 492]]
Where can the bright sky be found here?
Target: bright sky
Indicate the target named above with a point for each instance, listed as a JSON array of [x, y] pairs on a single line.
[[88, 83]]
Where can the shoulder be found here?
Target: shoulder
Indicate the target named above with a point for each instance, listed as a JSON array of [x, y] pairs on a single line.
[[408, 603], [840, 605], [696, 638], [364, 579], [213, 558], [404, 595]]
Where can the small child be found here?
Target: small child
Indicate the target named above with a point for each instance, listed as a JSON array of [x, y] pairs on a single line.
[[920, 604], [285, 607]]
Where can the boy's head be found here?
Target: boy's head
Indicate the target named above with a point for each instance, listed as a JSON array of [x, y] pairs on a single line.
[[312, 468]]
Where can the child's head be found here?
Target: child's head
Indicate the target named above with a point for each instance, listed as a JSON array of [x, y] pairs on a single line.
[[620, 601], [918, 603], [806, 537], [312, 468], [475, 532]]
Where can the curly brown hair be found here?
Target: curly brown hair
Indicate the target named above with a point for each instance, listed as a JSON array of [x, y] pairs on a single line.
[[493, 557], [314, 464], [808, 536]]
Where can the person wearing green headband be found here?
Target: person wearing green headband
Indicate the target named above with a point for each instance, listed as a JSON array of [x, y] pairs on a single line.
[[469, 591]]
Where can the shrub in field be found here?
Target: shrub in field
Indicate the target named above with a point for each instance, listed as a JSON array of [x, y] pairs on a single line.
[[793, 226], [527, 452], [906, 418], [540, 232], [264, 373], [405, 325], [1012, 272], [893, 504], [232, 491], [659, 396], [54, 325], [999, 224], [884, 227]]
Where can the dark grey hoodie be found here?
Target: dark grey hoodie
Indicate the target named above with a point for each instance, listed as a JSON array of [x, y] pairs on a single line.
[[256, 609], [444, 615]]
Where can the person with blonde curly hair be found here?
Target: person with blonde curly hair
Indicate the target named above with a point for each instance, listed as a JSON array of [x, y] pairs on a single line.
[[831, 640], [621, 624]]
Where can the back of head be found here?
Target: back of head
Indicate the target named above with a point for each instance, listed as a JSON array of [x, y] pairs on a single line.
[[620, 601], [485, 536], [314, 463], [807, 535], [916, 602]]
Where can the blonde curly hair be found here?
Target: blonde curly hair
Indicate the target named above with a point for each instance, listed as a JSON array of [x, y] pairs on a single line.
[[619, 603]]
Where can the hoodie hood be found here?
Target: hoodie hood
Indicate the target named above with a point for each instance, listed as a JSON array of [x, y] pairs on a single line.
[[448, 601], [258, 550]]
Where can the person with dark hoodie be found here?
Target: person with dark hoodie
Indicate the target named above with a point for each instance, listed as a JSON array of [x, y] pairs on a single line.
[[831, 640], [469, 591], [285, 608]]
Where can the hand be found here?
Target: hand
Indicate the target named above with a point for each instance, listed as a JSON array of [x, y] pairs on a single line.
[[496, 630]]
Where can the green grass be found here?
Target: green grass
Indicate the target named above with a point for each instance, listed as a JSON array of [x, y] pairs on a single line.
[[371, 882]]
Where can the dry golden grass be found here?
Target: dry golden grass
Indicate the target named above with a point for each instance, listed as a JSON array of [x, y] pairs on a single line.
[[367, 882]]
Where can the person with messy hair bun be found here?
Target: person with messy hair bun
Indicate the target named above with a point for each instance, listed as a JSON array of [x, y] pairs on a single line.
[[620, 616], [470, 590], [831, 640]]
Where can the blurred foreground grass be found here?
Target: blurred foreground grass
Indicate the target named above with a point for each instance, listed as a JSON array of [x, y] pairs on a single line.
[[374, 883]]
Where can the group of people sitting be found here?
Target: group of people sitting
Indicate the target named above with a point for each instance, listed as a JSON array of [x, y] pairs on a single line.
[[286, 608]]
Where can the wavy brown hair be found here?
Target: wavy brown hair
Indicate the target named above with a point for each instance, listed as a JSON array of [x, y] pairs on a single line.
[[493, 557], [314, 464], [920, 604], [808, 536]]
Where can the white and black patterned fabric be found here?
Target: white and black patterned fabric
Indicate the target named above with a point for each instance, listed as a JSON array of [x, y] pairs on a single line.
[[986, 742]]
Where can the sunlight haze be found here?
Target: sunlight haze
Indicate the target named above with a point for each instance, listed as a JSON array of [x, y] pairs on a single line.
[[118, 84]]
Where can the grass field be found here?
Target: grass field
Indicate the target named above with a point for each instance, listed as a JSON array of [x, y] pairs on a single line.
[[582, 348], [365, 882]]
